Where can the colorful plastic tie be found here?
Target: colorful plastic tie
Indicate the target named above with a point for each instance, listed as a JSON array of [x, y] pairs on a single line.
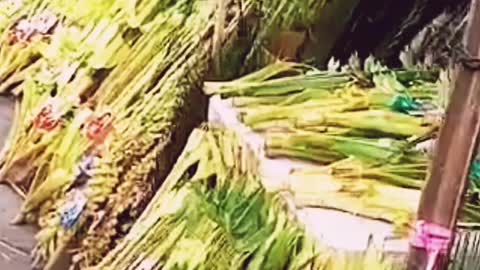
[[84, 172], [46, 120], [434, 238], [474, 175], [87, 165], [404, 103], [98, 128], [72, 210]]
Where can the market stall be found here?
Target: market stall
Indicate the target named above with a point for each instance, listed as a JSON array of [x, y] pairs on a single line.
[[317, 166], [344, 217]]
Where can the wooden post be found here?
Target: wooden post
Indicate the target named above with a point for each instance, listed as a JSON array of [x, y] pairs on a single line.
[[442, 197]]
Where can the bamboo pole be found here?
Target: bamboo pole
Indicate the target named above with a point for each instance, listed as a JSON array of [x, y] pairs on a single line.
[[443, 194]]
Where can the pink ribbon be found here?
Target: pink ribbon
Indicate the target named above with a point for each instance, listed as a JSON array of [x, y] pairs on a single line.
[[434, 238]]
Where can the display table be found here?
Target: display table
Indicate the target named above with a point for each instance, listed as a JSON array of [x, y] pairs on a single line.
[[336, 229]]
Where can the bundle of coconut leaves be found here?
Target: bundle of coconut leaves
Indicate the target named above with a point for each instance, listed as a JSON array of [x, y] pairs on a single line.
[[360, 125], [213, 213]]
